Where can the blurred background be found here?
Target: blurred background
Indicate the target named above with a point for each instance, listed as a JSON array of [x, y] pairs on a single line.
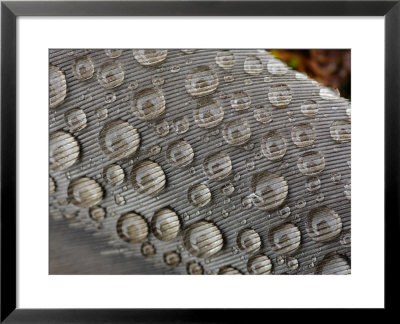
[[329, 67]]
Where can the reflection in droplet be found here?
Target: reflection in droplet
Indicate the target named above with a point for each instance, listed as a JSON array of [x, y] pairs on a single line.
[[150, 57], [201, 81], [225, 59], [209, 113], [180, 154], [303, 135], [324, 224], [85, 192], [132, 228], [119, 139], [341, 131], [83, 68], [236, 132], [165, 224], [148, 177], [57, 86], [63, 150], [148, 104], [110, 75], [284, 239], [280, 95], [249, 240], [217, 166], [114, 175], [253, 65], [269, 190], [259, 265], [199, 195], [203, 239], [75, 119], [273, 146], [311, 163], [240, 100]]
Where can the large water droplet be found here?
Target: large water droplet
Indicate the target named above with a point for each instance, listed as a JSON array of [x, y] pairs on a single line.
[[328, 93], [208, 114], [333, 264], [324, 224], [236, 132], [180, 154], [341, 131], [311, 163], [132, 228], [85, 192], [225, 59], [203, 239], [273, 146], [249, 241], [240, 100], [201, 81], [303, 135], [148, 104], [150, 57], [280, 95], [269, 190], [259, 265], [165, 224], [284, 239], [57, 86], [199, 195], [83, 68], [119, 139], [217, 166], [148, 177], [64, 150], [110, 75], [75, 119], [253, 65], [114, 175]]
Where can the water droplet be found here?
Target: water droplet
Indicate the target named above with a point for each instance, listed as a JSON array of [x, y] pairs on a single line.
[[165, 224], [301, 204], [324, 224], [199, 195], [52, 186], [148, 249], [155, 149], [110, 75], [57, 86], [269, 190], [345, 238], [114, 175], [228, 189], [180, 154], [148, 104], [341, 131], [309, 108], [228, 77], [313, 184], [336, 177], [97, 213], [303, 135], [208, 114], [83, 68], [236, 132], [328, 93], [333, 264], [148, 178], [150, 57], [201, 81], [277, 67], [347, 191], [203, 239], [225, 59], [217, 166], [188, 51], [175, 69], [132, 228], [194, 268], [64, 150], [280, 95], [311, 163], [161, 128], [284, 212], [158, 81], [249, 241], [75, 119], [113, 53], [102, 113], [229, 271], [292, 263], [110, 97], [284, 239], [253, 65], [85, 192], [133, 84], [273, 146], [181, 125], [320, 197], [259, 265], [119, 139], [250, 164], [240, 100], [280, 260], [262, 114]]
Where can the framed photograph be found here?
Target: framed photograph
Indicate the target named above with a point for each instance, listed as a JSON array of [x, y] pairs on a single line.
[[148, 148]]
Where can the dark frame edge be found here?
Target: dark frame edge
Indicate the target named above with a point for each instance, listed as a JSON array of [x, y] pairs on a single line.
[[8, 295]]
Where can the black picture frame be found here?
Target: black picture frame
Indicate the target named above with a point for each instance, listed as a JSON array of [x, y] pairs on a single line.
[[11, 10]]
